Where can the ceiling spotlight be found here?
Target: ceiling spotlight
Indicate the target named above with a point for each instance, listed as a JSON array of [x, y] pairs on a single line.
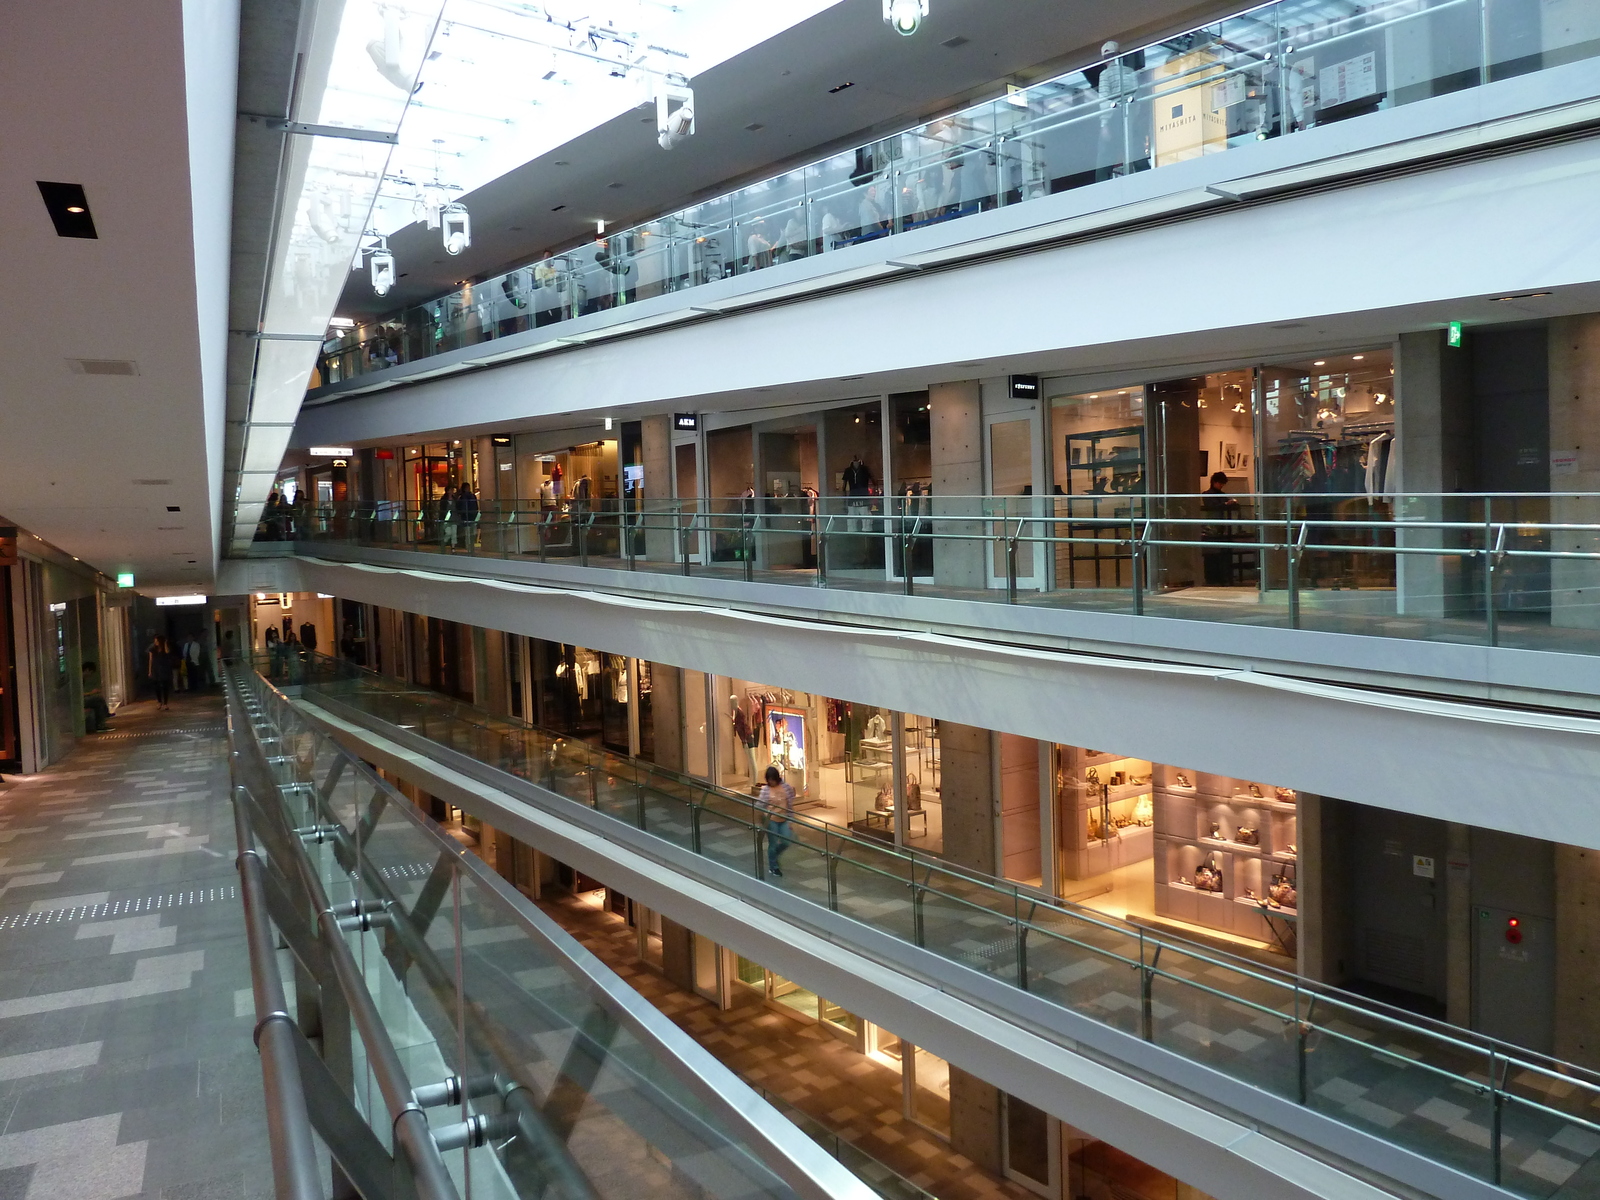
[[904, 16], [674, 111], [1358, 357], [382, 268], [1321, 362], [457, 228]]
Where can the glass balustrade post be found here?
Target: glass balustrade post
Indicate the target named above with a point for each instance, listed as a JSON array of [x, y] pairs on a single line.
[[1147, 987], [695, 810], [748, 538], [1011, 568], [581, 528], [1302, 1038], [832, 857], [1492, 544], [1022, 938], [823, 522], [1496, 1108], [683, 540], [1136, 566], [1292, 567], [918, 933], [905, 555]]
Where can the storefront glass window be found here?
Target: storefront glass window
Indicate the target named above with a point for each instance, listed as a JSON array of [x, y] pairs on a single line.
[[924, 812], [930, 1092]]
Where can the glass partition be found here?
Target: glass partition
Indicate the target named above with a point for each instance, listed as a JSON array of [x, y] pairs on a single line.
[[1268, 72]]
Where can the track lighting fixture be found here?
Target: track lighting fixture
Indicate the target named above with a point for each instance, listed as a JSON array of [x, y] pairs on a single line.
[[674, 111], [904, 16], [382, 264], [457, 228]]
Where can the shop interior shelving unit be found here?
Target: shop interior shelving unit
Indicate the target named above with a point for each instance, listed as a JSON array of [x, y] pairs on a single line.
[[1104, 825], [1198, 821], [1105, 467]]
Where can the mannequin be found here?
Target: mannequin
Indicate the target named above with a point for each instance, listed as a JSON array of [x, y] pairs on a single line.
[[877, 731], [745, 732]]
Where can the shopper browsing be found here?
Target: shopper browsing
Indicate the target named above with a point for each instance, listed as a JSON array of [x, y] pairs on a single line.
[[776, 801]]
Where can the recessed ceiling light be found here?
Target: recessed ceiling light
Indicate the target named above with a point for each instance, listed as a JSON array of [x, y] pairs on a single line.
[[68, 209], [613, 185], [558, 208], [833, 91], [1321, 362], [1358, 357], [754, 126], [952, 43], [561, 162]]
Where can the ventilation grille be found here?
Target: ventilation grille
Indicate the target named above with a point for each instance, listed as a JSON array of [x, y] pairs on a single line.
[[152, 482], [1396, 959], [103, 366]]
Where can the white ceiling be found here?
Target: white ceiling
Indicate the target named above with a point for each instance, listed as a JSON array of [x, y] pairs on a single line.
[[781, 86], [98, 94]]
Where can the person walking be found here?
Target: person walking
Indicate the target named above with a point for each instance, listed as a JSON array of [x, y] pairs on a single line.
[[777, 802], [467, 516], [159, 666]]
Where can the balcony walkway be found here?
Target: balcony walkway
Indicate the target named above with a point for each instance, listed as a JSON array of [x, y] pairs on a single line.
[[126, 1064]]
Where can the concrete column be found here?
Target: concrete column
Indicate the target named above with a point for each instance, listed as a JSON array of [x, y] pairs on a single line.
[[657, 449], [666, 713], [1575, 466], [1458, 925], [1433, 426], [967, 791], [491, 684], [1020, 847], [975, 1120], [677, 954], [957, 420], [1577, 1009], [1320, 876]]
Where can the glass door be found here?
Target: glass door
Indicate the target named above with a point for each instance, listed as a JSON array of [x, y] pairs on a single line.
[[1031, 1146], [1011, 438]]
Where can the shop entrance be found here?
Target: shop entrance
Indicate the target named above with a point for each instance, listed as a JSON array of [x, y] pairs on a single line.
[[788, 465], [1011, 436], [1032, 1147]]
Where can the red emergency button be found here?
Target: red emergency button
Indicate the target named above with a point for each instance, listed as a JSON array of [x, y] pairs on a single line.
[[1513, 930]]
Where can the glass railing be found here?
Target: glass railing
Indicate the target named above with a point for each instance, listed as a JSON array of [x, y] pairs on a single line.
[[1268, 72], [475, 1037], [1510, 570], [1515, 1118]]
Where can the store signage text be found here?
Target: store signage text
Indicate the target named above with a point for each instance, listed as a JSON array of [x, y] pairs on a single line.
[[686, 422]]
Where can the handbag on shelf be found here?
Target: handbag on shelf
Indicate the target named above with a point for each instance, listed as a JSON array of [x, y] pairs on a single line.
[[1248, 837], [1281, 892]]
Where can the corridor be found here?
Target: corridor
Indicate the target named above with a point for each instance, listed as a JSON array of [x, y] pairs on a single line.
[[126, 1063]]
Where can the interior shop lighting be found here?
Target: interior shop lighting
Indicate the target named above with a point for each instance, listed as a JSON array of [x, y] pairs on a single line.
[[904, 16]]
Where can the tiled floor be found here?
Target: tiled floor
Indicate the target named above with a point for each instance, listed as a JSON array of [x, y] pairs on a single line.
[[804, 1065], [126, 1065]]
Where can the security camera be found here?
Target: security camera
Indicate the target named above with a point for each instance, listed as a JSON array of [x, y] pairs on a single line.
[[457, 228], [904, 16]]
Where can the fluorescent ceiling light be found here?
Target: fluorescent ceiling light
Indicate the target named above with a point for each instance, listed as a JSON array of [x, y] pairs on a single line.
[[330, 452], [179, 601]]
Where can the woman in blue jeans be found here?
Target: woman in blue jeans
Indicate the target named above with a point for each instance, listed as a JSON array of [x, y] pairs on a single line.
[[777, 802]]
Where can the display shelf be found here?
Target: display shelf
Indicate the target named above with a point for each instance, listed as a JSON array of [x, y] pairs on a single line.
[[1089, 803], [1186, 815]]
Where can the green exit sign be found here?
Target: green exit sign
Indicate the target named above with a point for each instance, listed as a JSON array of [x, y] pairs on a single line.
[[125, 579], [1453, 336]]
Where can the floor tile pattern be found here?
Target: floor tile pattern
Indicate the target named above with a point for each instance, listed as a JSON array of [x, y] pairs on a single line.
[[125, 1069]]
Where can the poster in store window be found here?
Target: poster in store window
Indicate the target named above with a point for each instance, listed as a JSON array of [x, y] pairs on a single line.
[[1345, 82], [786, 739]]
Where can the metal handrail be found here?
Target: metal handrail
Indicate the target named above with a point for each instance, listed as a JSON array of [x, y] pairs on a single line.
[[408, 1123], [1300, 997], [289, 1137], [794, 1159], [1014, 894]]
